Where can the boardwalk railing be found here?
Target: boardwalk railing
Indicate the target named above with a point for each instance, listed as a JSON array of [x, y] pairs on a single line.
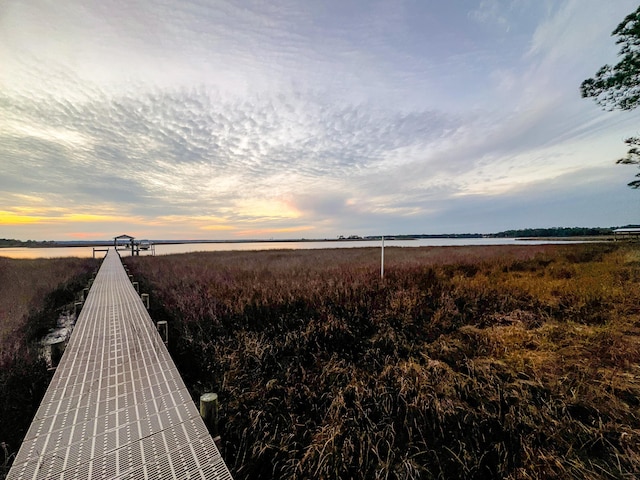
[[117, 407]]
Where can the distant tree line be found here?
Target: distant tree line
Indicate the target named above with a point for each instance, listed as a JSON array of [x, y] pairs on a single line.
[[554, 232], [10, 242], [425, 235]]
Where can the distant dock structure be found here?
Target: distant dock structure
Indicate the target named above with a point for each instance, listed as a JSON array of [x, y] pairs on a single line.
[[127, 242], [630, 233]]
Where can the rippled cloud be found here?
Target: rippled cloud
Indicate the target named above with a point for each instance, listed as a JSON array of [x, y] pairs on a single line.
[[240, 119]]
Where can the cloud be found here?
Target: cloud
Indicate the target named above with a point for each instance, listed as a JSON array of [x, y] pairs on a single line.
[[139, 149], [238, 117]]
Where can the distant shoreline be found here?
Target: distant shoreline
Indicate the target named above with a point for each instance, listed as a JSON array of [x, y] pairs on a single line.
[[105, 243], [598, 238], [70, 244]]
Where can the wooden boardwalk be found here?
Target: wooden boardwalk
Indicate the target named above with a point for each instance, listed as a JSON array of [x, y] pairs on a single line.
[[117, 407]]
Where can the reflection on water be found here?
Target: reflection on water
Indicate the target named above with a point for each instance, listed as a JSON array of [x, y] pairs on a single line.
[[217, 247], [21, 252]]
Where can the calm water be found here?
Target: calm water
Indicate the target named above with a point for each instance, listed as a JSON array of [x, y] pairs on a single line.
[[217, 247]]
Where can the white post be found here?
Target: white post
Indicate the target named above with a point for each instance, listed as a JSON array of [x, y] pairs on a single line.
[[382, 259]]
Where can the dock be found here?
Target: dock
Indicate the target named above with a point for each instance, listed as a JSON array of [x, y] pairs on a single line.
[[117, 407]]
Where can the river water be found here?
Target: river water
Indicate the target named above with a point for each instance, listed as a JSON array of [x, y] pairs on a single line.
[[228, 246]]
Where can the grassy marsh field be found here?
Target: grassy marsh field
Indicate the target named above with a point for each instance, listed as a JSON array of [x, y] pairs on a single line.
[[514, 362], [33, 293], [27, 286]]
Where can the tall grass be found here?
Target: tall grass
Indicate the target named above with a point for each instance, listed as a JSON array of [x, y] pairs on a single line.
[[25, 286], [475, 362], [33, 293]]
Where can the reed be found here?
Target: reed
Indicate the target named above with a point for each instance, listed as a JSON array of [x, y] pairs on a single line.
[[27, 285], [33, 294], [511, 362]]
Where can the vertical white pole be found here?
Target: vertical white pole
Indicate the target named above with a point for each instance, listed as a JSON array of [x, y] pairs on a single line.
[[382, 259]]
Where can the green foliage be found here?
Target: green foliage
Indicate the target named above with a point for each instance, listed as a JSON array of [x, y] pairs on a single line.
[[462, 363], [632, 158], [618, 86]]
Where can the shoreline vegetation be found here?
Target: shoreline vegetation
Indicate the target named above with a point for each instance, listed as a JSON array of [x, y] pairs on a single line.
[[479, 362], [566, 233], [33, 295], [514, 362]]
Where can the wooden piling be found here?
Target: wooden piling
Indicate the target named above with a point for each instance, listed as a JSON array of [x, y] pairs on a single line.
[[163, 330], [57, 349], [209, 412], [145, 299]]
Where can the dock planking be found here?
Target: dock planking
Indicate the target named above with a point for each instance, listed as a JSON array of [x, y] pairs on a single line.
[[117, 407]]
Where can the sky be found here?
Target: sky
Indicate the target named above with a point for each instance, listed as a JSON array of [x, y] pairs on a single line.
[[243, 119]]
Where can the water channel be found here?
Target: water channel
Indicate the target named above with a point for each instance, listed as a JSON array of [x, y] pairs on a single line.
[[166, 249]]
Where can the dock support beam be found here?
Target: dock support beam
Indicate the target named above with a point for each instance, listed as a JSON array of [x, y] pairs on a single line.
[[163, 330], [209, 412]]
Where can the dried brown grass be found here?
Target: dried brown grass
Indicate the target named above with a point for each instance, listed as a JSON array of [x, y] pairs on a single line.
[[25, 286], [33, 293], [474, 362]]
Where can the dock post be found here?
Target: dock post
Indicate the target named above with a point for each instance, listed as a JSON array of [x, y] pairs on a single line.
[[57, 350], [145, 299], [77, 306], [131, 278], [85, 294], [136, 285], [209, 413], [163, 330]]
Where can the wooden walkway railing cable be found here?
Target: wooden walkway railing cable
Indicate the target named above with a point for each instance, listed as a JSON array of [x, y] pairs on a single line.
[[117, 407]]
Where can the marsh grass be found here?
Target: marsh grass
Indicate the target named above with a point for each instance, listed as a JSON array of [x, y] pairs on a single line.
[[28, 285], [514, 362], [33, 295]]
